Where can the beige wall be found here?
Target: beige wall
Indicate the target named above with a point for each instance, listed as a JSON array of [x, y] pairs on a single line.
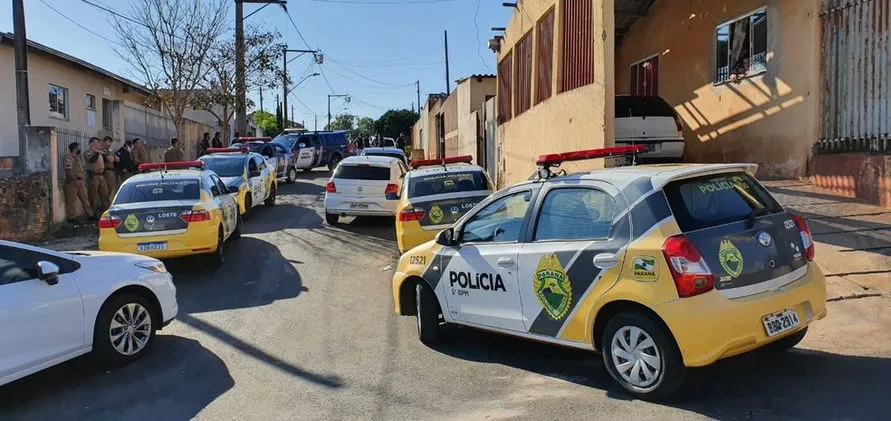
[[772, 118], [472, 93], [578, 119], [42, 71]]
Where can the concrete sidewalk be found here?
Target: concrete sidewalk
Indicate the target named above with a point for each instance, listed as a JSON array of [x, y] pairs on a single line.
[[853, 239]]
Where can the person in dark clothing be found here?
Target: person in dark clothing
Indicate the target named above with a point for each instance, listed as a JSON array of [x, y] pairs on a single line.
[[203, 144], [235, 138], [126, 165], [216, 142], [400, 142]]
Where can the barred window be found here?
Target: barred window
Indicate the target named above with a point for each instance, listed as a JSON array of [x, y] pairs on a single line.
[[544, 57], [504, 89], [741, 47], [524, 73], [578, 44]]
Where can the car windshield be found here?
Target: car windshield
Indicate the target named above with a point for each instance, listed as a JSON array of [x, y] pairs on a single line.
[[286, 140], [157, 190], [642, 106], [226, 167], [362, 172], [448, 182]]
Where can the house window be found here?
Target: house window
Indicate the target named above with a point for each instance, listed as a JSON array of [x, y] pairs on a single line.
[[578, 44], [544, 60], [504, 89], [645, 77], [741, 47], [90, 102], [58, 102], [524, 73]]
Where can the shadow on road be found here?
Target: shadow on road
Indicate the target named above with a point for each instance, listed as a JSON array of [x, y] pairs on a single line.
[[254, 274], [801, 384], [282, 216], [174, 381], [382, 227], [303, 185]]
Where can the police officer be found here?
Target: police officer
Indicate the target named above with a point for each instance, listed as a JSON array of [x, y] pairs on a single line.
[[216, 142], [173, 153], [98, 193], [203, 144], [111, 161], [126, 165], [140, 155], [75, 189]]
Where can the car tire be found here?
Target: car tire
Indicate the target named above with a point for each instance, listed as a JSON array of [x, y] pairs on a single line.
[[121, 344], [248, 204], [270, 201], [332, 163], [292, 176], [786, 343], [332, 218], [427, 314], [238, 225], [619, 335], [217, 258]]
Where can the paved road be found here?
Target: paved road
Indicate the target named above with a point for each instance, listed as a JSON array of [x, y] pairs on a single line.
[[298, 324]]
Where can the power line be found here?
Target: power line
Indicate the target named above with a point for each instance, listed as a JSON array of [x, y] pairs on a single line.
[[369, 85], [477, 32], [324, 76], [303, 104], [107, 10], [300, 34], [389, 85], [78, 24], [382, 2]]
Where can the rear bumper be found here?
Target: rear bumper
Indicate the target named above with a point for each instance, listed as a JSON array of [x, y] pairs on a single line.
[[199, 238], [343, 206], [710, 327], [410, 235]]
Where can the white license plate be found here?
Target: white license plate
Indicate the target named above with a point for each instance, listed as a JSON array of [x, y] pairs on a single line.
[[359, 205], [154, 246], [780, 322]]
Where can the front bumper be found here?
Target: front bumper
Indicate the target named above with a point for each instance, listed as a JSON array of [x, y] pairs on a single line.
[[199, 238], [710, 326]]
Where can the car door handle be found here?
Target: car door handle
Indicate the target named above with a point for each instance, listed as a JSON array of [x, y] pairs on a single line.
[[606, 260], [506, 261]]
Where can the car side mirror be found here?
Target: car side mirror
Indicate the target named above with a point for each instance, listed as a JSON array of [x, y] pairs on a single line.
[[48, 272], [446, 237], [234, 189], [255, 173]]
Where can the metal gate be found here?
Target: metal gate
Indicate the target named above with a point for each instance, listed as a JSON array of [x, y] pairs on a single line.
[[856, 73]]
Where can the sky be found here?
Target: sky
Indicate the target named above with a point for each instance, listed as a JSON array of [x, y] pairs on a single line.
[[374, 50]]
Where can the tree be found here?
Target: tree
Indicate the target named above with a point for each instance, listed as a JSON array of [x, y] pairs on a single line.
[[342, 122], [395, 122], [168, 42], [218, 95], [266, 121], [364, 128]]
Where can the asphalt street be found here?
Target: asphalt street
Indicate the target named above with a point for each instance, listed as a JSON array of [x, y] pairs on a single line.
[[299, 324]]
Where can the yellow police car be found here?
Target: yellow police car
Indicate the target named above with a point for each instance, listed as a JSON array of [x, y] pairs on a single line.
[[176, 209], [436, 193], [658, 268], [248, 174]]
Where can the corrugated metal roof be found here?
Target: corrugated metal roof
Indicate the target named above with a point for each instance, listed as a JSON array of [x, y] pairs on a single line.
[[9, 38], [627, 12], [475, 76]]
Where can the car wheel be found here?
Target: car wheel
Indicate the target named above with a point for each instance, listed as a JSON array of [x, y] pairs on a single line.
[[248, 204], [786, 343], [237, 233], [270, 201], [125, 329], [427, 313], [332, 218], [217, 259], [332, 163], [641, 355], [292, 176]]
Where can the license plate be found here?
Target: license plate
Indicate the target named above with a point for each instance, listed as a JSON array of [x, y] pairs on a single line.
[[780, 322], [620, 161], [359, 205], [154, 246]]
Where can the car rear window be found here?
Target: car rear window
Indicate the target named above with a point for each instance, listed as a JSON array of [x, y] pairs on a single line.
[[450, 182], [157, 190], [713, 200], [362, 172], [642, 106]]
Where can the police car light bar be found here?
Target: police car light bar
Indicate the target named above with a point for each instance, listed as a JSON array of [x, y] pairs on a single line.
[[228, 150], [557, 158], [253, 139], [465, 159], [178, 165]]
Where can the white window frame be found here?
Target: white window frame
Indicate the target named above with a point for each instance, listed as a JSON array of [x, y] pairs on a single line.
[[715, 80], [646, 59], [56, 114], [87, 105]]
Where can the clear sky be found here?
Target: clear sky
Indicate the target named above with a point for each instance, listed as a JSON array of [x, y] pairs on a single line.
[[374, 52]]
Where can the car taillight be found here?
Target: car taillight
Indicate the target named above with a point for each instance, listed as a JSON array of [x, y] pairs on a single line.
[[392, 191], [807, 239], [195, 216], [330, 187], [691, 275], [108, 221], [411, 214]]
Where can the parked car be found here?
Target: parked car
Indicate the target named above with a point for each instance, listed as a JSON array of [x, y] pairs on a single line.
[[650, 121], [316, 149], [275, 154], [364, 185], [391, 152], [56, 306]]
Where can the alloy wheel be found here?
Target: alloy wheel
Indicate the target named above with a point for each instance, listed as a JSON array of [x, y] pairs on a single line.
[[130, 329]]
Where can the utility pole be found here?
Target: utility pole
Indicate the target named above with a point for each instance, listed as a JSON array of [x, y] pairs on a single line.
[[445, 35], [23, 107], [317, 56], [292, 114], [316, 124], [261, 99], [240, 89], [418, 86], [329, 105]]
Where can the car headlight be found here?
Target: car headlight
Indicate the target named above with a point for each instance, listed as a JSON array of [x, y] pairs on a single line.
[[153, 266]]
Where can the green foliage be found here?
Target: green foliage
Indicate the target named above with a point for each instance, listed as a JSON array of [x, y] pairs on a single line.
[[343, 122], [395, 122], [364, 128], [267, 122]]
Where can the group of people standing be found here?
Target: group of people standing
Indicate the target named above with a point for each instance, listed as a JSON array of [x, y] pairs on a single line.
[[92, 178]]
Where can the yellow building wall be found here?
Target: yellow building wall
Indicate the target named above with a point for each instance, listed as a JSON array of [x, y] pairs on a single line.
[[771, 118], [578, 119]]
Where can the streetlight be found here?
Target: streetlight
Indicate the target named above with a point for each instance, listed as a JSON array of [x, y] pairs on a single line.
[[302, 80], [317, 56], [240, 90], [345, 96]]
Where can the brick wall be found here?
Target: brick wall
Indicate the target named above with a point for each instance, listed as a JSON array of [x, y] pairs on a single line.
[[859, 175], [24, 207]]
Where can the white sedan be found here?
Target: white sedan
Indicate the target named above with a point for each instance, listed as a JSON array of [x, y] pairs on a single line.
[[56, 306]]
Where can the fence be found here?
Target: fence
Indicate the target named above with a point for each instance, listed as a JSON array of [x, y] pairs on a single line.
[[63, 138], [156, 128]]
